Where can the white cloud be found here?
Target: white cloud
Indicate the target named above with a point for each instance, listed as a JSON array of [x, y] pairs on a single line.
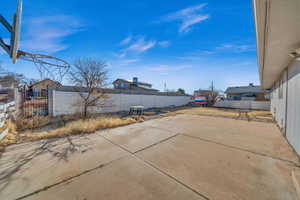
[[185, 27], [235, 47], [135, 45], [164, 43], [188, 17], [128, 61], [141, 45], [138, 45], [46, 34], [227, 47], [126, 40], [168, 68]]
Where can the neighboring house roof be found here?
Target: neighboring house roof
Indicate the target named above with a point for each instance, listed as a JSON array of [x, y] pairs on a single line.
[[245, 89], [42, 81], [139, 87], [130, 82], [119, 91]]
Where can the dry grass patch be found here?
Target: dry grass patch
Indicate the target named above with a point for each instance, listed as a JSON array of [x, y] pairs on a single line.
[[82, 126], [208, 112], [32, 122], [262, 113], [265, 116], [79, 126], [11, 137]]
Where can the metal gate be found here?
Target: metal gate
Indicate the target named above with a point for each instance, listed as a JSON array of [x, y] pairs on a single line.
[[34, 101]]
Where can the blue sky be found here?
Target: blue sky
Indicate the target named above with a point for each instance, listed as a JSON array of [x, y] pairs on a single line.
[[183, 43]]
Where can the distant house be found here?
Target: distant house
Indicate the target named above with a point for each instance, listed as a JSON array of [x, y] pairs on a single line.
[[251, 92], [132, 85], [35, 97], [44, 84], [6, 95], [205, 94], [202, 94], [8, 82], [40, 88], [3, 96]]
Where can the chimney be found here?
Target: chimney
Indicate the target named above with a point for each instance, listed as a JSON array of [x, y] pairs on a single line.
[[135, 80], [251, 84]]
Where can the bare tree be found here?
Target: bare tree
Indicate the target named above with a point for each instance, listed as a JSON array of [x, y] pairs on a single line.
[[181, 91], [89, 76], [213, 95]]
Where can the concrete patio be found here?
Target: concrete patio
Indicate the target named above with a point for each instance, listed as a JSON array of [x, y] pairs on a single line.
[[178, 157]]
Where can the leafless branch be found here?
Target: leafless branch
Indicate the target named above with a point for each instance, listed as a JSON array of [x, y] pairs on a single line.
[[90, 74]]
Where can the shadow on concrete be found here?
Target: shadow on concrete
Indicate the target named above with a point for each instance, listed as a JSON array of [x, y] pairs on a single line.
[[51, 146]]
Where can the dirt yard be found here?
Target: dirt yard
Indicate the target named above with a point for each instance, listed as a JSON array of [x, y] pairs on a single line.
[[186, 156]]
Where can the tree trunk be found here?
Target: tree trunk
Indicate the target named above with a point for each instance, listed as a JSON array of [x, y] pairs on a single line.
[[85, 111]]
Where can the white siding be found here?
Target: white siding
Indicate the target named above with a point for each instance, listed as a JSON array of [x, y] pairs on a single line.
[[293, 108], [278, 102], [69, 102], [286, 110]]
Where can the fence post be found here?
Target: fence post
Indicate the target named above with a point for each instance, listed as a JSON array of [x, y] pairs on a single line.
[[51, 103], [17, 101]]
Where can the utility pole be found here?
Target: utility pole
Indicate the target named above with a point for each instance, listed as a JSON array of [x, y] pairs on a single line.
[[212, 91]]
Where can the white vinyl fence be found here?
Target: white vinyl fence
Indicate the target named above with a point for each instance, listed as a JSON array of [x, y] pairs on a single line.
[[5, 110], [247, 105], [62, 102]]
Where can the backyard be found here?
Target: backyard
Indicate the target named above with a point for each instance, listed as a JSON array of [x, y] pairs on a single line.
[[44, 127], [150, 100], [180, 155]]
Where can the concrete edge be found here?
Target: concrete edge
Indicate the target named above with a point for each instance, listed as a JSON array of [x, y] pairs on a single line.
[[296, 184]]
